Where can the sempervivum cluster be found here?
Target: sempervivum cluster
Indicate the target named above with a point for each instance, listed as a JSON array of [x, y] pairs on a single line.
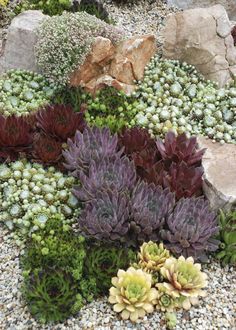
[[150, 206], [190, 229], [132, 294], [174, 163], [22, 92], [93, 144], [174, 96], [29, 194], [184, 282]]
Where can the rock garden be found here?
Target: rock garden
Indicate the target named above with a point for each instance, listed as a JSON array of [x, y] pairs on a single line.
[[117, 164]]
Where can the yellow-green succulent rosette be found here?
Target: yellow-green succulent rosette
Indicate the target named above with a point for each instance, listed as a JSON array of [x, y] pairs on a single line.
[[132, 294]]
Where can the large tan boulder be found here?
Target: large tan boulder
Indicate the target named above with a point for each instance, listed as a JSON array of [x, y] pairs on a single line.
[[230, 5], [202, 37], [116, 66], [219, 163]]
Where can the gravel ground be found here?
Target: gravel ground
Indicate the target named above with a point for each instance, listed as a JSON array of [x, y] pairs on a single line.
[[216, 312], [140, 18]]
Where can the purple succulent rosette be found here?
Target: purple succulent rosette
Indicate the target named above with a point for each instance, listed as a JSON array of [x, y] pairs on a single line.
[[93, 144], [150, 206], [115, 173], [191, 228], [106, 218]]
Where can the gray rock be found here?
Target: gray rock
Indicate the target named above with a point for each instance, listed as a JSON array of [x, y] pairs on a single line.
[[220, 173], [202, 37], [18, 50], [230, 5]]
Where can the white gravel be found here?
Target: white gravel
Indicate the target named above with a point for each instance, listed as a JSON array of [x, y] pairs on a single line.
[[216, 312]]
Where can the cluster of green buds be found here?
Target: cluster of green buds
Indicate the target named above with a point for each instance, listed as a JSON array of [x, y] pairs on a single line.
[[30, 194], [22, 92], [175, 96], [111, 108]]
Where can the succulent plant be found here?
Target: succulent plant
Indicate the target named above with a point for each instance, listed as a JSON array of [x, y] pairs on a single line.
[[135, 140], [178, 149], [23, 92], [174, 96], [46, 150], [150, 206], [184, 279], [110, 108], [52, 295], [106, 218], [190, 229], [165, 301], [15, 137], [93, 144], [132, 294], [30, 194], [55, 245], [227, 236], [103, 262], [171, 320], [60, 121], [152, 256], [109, 174]]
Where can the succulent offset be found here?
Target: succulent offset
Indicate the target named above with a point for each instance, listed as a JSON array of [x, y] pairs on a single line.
[[109, 174], [15, 137], [132, 294], [185, 281], [106, 218], [30, 194], [93, 144], [191, 228], [175, 96], [152, 256], [23, 92], [150, 207]]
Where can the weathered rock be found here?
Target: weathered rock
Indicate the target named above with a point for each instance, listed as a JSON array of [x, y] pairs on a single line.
[[202, 37], [18, 50], [219, 162], [230, 5], [115, 66]]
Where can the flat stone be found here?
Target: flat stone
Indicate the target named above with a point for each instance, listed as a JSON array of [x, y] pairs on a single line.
[[204, 40], [219, 163], [18, 50]]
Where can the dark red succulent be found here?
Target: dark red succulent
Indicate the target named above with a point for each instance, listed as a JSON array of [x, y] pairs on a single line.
[[179, 148], [16, 137], [233, 32], [46, 150], [135, 139], [60, 121]]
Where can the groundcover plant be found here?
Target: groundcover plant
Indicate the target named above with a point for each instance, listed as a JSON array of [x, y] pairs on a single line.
[[103, 193]]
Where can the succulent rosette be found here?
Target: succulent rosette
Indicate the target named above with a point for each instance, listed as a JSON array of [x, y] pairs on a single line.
[[152, 256], [106, 218], [185, 280], [150, 207], [93, 144], [110, 174], [191, 228], [132, 294]]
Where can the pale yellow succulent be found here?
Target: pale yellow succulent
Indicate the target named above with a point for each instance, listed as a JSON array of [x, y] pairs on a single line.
[[132, 294], [186, 280], [152, 256], [3, 3]]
